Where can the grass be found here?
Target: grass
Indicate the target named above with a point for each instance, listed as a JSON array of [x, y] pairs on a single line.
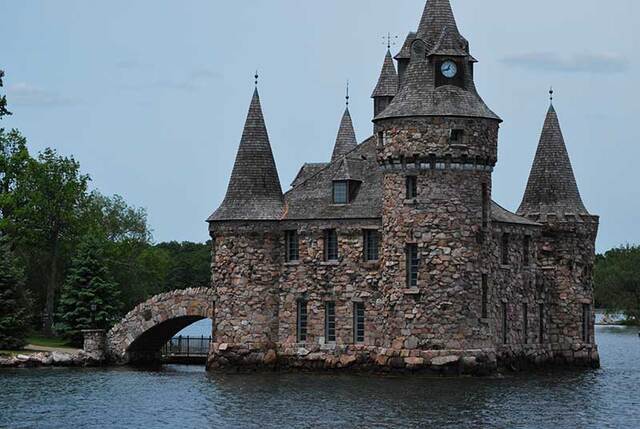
[[39, 340]]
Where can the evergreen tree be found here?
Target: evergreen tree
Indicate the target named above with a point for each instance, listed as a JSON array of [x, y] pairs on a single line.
[[89, 299], [14, 302]]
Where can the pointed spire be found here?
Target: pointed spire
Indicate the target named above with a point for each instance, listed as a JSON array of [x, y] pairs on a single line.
[[346, 140], [254, 191], [437, 18], [388, 82], [552, 187]]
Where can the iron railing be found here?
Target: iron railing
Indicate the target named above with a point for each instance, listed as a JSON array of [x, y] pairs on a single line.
[[186, 347]]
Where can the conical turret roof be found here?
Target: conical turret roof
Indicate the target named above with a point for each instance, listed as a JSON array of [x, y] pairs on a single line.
[[420, 95], [552, 187], [254, 191], [388, 82], [346, 140]]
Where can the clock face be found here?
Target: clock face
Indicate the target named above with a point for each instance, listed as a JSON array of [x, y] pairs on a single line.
[[449, 69]]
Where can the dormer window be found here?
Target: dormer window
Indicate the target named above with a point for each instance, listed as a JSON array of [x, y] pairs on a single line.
[[344, 191], [456, 137]]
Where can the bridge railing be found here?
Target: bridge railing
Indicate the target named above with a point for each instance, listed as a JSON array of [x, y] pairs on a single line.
[[186, 347]]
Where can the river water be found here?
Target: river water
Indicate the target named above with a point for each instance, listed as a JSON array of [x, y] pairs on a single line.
[[188, 397]]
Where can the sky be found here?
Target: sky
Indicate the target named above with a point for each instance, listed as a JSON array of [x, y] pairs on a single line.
[[151, 96]]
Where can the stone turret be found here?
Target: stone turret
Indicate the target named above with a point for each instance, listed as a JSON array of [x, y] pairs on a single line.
[[346, 140], [387, 86], [566, 252], [437, 146]]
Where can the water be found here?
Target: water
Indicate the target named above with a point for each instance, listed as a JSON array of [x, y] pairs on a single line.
[[187, 397]]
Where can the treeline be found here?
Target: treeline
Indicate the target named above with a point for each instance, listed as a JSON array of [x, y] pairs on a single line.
[[72, 258], [617, 282]]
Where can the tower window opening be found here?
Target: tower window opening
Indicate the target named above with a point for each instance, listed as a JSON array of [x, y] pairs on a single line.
[[380, 138], [541, 323], [525, 322], [358, 322], [456, 136], [505, 249], [526, 250], [505, 324], [330, 245], [485, 296], [413, 265], [371, 241], [330, 322], [586, 323], [412, 187], [485, 205], [302, 319], [292, 246]]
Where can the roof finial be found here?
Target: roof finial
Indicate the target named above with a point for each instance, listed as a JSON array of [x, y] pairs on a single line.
[[347, 97], [551, 94], [391, 40], [256, 77]]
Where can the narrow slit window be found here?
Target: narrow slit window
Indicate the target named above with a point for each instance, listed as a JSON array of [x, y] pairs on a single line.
[[586, 323], [541, 323], [485, 205], [292, 246], [412, 187], [330, 245], [380, 138], [525, 323], [456, 136], [371, 238], [302, 319], [505, 324], [330, 322], [505, 249], [485, 296], [526, 250], [413, 265], [358, 322]]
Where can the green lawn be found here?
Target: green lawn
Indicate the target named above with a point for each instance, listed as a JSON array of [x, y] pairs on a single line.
[[38, 340]]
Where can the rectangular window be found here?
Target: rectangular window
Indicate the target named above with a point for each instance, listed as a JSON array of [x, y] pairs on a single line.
[[371, 239], [505, 249], [412, 187], [291, 246], [485, 205], [380, 138], [413, 265], [302, 318], [485, 296], [340, 192], [541, 323], [526, 249], [330, 322], [525, 322], [504, 323], [456, 137], [586, 323], [330, 245], [358, 322]]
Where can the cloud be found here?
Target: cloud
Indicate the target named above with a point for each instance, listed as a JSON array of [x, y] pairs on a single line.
[[24, 94], [602, 62]]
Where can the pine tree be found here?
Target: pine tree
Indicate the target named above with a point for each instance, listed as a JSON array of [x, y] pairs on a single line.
[[89, 299], [14, 302]]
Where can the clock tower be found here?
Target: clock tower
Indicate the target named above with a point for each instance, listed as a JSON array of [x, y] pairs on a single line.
[[437, 147]]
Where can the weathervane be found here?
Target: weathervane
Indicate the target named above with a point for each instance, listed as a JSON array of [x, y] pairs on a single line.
[[256, 78], [347, 97], [390, 40], [551, 94]]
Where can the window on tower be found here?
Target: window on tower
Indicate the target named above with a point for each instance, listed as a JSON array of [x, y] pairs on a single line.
[[412, 187], [456, 137], [330, 245], [330, 322], [302, 319], [358, 322], [291, 246], [505, 249], [413, 265], [371, 242]]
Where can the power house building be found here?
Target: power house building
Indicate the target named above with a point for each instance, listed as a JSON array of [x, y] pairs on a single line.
[[393, 255]]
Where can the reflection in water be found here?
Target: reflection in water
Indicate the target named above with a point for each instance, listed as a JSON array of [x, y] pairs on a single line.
[[177, 396]]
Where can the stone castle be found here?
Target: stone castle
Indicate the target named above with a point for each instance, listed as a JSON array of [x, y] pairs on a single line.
[[393, 256]]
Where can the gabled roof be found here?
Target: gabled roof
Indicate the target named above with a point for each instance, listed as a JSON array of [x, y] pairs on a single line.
[[254, 191], [346, 140], [405, 51], [388, 82], [552, 187]]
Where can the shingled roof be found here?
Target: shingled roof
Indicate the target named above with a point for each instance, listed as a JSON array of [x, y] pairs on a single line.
[[552, 187], [388, 82], [419, 95], [346, 140], [254, 191]]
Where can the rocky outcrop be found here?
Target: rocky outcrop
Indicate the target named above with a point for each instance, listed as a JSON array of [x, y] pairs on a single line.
[[55, 358]]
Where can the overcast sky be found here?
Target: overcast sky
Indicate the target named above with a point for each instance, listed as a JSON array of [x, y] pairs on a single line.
[[151, 96]]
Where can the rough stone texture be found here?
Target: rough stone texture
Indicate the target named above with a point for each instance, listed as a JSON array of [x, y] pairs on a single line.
[[144, 330], [438, 327], [95, 342], [42, 359]]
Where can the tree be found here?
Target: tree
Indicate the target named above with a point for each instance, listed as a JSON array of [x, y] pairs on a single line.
[[3, 99], [189, 265], [617, 281], [89, 299], [47, 218], [14, 301]]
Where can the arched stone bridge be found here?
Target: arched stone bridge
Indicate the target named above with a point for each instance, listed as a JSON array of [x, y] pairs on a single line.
[[143, 331]]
